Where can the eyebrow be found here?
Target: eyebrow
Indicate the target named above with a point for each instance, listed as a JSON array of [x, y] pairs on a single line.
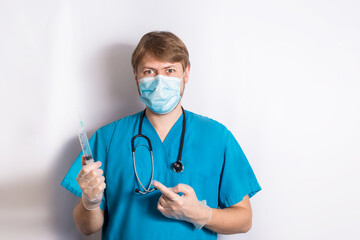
[[166, 67]]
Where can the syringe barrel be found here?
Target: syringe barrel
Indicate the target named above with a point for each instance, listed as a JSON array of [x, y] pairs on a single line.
[[84, 142]]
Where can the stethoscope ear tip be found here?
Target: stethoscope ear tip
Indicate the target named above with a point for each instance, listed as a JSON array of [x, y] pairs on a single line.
[[137, 190]]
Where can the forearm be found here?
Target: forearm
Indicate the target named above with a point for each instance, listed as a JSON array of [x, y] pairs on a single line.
[[88, 222], [230, 220]]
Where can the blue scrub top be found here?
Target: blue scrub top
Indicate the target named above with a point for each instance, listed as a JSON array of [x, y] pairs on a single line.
[[214, 165]]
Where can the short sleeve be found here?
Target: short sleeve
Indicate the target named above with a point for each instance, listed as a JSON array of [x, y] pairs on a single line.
[[98, 151], [237, 176]]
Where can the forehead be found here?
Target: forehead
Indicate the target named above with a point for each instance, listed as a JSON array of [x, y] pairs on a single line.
[[149, 61]]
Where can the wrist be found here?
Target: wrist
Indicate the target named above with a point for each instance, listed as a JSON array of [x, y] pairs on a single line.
[[203, 215], [91, 204]]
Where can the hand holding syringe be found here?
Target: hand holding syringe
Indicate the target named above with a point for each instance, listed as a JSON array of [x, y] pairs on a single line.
[[90, 178]]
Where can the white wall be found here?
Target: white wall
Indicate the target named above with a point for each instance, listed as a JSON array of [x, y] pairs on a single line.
[[283, 76]]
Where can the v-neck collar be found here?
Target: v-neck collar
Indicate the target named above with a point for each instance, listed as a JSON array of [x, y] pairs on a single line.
[[171, 134]]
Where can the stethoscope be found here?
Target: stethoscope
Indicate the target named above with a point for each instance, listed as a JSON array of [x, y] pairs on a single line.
[[176, 166]]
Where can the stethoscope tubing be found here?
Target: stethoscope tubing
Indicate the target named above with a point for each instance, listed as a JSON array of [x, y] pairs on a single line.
[[147, 190], [177, 166]]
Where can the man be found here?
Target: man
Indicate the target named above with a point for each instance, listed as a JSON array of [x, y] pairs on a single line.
[[196, 182]]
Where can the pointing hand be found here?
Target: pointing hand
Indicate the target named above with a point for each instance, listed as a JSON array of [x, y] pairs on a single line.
[[186, 207]]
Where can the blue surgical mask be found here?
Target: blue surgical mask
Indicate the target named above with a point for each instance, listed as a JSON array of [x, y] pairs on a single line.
[[160, 93]]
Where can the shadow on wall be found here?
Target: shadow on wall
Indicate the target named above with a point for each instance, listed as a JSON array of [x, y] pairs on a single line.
[[124, 99], [24, 207], [120, 82]]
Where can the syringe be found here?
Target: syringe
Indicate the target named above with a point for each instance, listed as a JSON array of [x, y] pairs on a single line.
[[84, 142]]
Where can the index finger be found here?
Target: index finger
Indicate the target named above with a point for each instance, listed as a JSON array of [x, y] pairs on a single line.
[[165, 191]]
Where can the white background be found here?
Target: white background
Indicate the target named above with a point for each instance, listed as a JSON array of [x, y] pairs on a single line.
[[283, 76]]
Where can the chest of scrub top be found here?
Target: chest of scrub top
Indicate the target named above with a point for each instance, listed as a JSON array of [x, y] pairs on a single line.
[[202, 158]]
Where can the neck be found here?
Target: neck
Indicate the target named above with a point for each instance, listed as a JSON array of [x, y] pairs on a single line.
[[163, 122]]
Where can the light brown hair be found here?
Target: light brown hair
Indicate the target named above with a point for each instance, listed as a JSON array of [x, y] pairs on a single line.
[[163, 46]]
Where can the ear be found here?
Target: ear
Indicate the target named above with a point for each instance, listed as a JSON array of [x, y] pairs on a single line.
[[187, 73]]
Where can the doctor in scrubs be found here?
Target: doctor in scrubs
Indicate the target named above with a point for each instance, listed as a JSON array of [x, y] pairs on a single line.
[[164, 172]]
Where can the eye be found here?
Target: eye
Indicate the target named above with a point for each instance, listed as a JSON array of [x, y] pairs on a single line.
[[170, 70], [148, 72]]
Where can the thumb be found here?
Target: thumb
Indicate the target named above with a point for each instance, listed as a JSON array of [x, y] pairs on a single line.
[[183, 188]]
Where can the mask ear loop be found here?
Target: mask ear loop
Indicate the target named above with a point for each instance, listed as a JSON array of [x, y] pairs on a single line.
[[183, 75]]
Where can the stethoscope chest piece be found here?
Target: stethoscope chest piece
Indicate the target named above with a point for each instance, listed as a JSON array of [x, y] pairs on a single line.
[[177, 166]]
